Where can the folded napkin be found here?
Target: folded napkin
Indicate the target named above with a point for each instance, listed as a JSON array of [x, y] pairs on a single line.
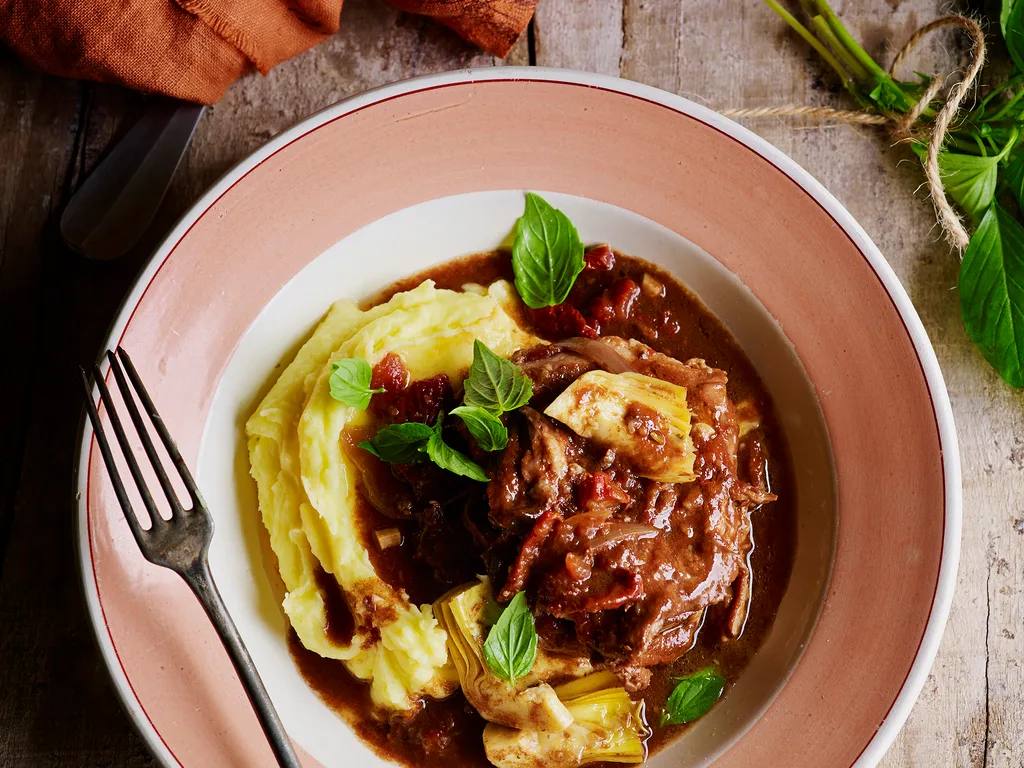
[[195, 49]]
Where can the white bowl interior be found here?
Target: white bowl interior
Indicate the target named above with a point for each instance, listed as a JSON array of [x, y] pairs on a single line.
[[411, 240]]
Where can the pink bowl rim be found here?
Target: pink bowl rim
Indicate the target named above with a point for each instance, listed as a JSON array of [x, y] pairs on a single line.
[[945, 586]]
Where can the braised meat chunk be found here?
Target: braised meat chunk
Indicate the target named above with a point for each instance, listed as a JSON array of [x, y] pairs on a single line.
[[536, 471], [619, 564]]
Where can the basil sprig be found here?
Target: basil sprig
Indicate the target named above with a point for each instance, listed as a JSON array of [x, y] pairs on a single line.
[[511, 645], [494, 383], [547, 254], [992, 292], [494, 386], [448, 458], [413, 442], [400, 443], [350, 382], [692, 697], [484, 426], [981, 165]]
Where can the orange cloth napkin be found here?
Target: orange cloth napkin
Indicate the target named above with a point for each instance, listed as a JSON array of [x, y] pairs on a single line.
[[195, 49]]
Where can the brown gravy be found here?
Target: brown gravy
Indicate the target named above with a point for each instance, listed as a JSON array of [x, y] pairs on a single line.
[[695, 333]]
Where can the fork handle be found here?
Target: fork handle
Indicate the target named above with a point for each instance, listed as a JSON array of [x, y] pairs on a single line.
[[201, 581]]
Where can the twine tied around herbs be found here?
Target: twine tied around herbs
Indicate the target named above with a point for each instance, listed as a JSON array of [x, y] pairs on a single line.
[[902, 127]]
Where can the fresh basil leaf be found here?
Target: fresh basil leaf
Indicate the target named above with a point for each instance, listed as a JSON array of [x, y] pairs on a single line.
[[511, 645], [992, 293], [411, 442], [486, 428], [400, 443], [1012, 21], [350, 382], [494, 383], [448, 458], [547, 254], [1013, 176], [692, 697], [969, 179]]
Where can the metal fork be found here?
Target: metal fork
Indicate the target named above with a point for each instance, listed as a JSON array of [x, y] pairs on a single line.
[[182, 542]]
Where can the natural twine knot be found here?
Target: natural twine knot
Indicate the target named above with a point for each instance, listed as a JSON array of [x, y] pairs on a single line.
[[902, 127]]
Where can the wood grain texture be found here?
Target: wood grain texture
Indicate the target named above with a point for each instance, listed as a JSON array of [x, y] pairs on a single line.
[[56, 707], [579, 34]]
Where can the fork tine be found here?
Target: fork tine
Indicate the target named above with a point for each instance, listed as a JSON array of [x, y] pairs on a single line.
[[126, 449], [143, 430], [108, 459], [165, 436]]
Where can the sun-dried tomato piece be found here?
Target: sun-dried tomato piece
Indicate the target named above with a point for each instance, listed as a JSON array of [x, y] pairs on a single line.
[[530, 550], [601, 491], [623, 295], [561, 321], [421, 400], [599, 258], [600, 313], [390, 373]]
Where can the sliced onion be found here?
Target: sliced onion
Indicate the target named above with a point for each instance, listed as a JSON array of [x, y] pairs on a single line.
[[620, 532], [592, 518], [388, 538], [652, 286], [599, 353]]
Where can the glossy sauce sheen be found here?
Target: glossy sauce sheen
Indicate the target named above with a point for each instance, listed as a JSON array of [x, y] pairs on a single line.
[[688, 331]]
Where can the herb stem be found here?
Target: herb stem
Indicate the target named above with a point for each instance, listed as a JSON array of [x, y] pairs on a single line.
[[1015, 80], [849, 60], [1010, 143], [962, 144], [812, 41], [1007, 106], [846, 40]]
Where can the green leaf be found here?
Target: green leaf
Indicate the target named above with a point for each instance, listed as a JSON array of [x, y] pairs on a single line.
[[494, 383], [484, 426], [511, 645], [886, 96], [407, 443], [547, 254], [692, 697], [400, 443], [350, 382], [970, 180], [448, 458], [992, 293], [1011, 19], [1013, 175]]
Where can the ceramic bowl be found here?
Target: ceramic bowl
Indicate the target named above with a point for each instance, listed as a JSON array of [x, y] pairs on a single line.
[[392, 181]]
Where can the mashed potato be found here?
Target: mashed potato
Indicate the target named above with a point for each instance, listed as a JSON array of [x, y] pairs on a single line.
[[306, 482]]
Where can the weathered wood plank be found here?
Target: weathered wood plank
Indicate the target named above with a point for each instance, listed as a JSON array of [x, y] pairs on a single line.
[[56, 705], [579, 34], [36, 119]]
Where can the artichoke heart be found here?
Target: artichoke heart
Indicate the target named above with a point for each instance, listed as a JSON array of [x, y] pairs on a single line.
[[607, 726], [644, 420], [465, 613]]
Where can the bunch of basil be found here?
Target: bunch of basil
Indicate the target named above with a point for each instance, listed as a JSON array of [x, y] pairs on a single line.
[[982, 168]]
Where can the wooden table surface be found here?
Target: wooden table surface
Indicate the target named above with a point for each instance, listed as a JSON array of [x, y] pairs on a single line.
[[56, 706]]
